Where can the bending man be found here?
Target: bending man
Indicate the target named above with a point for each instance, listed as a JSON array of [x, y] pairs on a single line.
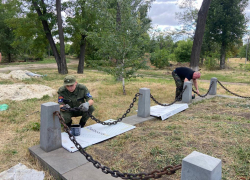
[[181, 75], [73, 95]]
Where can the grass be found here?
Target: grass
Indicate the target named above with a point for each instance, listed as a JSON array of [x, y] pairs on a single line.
[[219, 127]]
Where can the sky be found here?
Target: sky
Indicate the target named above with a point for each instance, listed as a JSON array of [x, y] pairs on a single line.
[[162, 13]]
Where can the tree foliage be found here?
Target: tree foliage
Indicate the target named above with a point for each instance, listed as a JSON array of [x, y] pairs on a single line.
[[183, 50], [121, 39], [226, 24], [7, 37]]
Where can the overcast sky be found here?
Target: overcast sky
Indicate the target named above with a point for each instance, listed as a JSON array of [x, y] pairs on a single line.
[[162, 13]]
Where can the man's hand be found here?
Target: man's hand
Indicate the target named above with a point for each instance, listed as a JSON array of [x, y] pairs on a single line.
[[64, 107], [84, 106], [198, 92]]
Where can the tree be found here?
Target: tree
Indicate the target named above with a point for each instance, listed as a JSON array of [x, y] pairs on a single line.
[[187, 18], [7, 36], [198, 37], [41, 9], [30, 40], [85, 20], [61, 38], [226, 24], [121, 38]]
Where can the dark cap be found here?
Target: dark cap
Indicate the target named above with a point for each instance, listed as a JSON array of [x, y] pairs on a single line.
[[69, 80]]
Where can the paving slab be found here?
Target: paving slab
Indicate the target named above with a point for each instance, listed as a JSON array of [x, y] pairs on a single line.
[[87, 171], [72, 166]]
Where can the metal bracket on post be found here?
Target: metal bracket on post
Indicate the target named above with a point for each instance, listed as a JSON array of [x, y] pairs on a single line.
[[144, 103], [214, 86], [187, 94], [50, 127], [201, 166]]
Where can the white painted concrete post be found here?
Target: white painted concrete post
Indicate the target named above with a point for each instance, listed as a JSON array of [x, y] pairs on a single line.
[[214, 86], [144, 103], [187, 95], [50, 127], [198, 166]]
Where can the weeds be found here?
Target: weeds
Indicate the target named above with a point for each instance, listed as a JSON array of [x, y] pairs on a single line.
[[217, 127]]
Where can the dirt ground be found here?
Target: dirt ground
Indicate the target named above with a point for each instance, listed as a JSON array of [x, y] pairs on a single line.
[[32, 66], [18, 92], [21, 91]]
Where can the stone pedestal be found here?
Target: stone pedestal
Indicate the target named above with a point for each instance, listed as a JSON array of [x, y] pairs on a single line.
[[198, 166], [214, 86], [187, 95], [144, 103], [50, 127]]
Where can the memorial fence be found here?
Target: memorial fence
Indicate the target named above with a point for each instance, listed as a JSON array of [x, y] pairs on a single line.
[[168, 170]]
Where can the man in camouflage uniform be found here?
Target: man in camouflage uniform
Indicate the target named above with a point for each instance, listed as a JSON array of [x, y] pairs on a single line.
[[73, 95], [181, 75]]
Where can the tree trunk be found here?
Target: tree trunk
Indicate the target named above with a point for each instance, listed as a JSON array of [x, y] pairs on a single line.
[[198, 36], [202, 60], [118, 24], [82, 55], [223, 57], [64, 69], [9, 57], [48, 34], [123, 86], [48, 51]]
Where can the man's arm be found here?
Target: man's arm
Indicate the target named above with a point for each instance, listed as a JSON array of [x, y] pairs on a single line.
[[196, 85], [91, 102]]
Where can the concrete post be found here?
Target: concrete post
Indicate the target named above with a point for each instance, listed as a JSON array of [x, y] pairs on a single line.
[[144, 103], [214, 86], [187, 95], [201, 166], [50, 127]]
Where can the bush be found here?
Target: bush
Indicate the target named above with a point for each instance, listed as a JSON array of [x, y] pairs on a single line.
[[212, 61], [183, 51], [160, 58]]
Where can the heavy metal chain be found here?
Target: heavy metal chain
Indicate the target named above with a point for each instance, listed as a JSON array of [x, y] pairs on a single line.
[[232, 92], [207, 91], [176, 99], [120, 119], [101, 122], [75, 109], [169, 170]]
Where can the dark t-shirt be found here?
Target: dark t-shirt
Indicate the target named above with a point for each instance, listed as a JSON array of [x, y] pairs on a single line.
[[184, 72]]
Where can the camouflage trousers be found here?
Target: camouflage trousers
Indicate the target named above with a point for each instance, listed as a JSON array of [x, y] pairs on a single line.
[[179, 85], [68, 115]]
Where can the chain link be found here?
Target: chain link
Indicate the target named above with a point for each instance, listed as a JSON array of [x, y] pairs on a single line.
[[106, 123], [120, 119], [169, 170], [176, 99], [207, 91], [232, 92]]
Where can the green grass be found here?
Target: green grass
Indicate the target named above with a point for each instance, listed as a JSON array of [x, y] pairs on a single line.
[[218, 127]]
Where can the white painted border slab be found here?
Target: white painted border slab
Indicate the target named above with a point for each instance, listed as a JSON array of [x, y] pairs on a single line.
[[94, 134], [166, 111]]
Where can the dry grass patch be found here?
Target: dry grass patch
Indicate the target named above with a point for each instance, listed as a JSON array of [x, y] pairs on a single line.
[[220, 130], [206, 127]]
